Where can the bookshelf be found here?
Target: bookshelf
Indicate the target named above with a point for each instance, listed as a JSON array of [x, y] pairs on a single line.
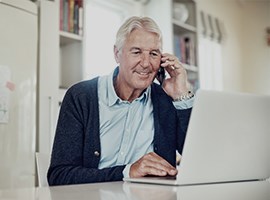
[[60, 65], [69, 38], [185, 37], [70, 42], [175, 26]]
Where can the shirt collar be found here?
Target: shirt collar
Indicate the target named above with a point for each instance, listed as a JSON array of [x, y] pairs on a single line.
[[112, 96]]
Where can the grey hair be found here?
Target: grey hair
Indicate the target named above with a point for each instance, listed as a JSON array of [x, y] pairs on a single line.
[[133, 23]]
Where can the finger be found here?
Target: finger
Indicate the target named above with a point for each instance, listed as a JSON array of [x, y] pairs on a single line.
[[149, 167], [152, 164], [156, 158], [171, 61], [170, 66], [168, 63], [169, 57], [157, 161], [173, 68], [154, 171]]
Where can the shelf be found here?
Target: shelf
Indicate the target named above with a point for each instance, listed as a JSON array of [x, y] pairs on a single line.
[[184, 26], [185, 40], [68, 38]]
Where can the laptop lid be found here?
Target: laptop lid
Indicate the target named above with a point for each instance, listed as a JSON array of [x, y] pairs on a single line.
[[228, 139]]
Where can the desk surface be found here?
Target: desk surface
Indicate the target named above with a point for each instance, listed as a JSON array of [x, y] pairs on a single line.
[[121, 191]]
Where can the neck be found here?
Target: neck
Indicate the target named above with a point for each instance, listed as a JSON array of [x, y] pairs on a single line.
[[124, 92]]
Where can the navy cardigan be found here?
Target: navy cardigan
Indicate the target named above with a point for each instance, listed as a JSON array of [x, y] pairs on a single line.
[[76, 149]]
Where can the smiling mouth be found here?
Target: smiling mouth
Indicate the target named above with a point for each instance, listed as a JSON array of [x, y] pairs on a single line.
[[144, 74]]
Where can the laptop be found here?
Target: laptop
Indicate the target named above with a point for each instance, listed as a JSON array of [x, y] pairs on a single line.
[[228, 140]]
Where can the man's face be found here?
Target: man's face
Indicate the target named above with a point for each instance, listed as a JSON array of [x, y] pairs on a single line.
[[139, 59]]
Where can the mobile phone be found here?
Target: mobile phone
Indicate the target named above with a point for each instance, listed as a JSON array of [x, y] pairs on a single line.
[[161, 75]]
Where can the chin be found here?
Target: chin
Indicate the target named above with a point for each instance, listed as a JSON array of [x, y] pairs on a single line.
[[143, 84]]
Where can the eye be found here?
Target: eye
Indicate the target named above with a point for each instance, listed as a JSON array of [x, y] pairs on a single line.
[[135, 52], [154, 54]]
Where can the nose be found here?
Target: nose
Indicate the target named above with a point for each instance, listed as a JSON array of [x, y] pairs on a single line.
[[145, 60]]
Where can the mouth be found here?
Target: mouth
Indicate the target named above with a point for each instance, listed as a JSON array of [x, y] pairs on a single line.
[[143, 74]]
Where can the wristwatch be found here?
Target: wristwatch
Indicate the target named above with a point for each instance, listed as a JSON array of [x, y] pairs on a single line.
[[185, 96]]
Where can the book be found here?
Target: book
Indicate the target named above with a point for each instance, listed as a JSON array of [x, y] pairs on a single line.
[[65, 15], [76, 18], [185, 50], [80, 23], [177, 47], [71, 16]]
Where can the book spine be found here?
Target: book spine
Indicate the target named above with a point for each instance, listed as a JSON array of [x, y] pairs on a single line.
[[71, 16], [65, 15], [76, 17], [177, 47], [80, 31], [183, 50], [187, 49]]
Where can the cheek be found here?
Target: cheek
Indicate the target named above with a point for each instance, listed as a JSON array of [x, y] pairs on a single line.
[[156, 65], [129, 61]]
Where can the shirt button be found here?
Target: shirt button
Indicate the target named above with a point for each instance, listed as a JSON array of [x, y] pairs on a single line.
[[96, 153]]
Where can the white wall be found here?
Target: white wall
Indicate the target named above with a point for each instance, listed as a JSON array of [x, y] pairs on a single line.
[[229, 13], [161, 13], [98, 39], [256, 62], [246, 58]]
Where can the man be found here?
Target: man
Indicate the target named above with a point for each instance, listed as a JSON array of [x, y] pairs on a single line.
[[123, 124]]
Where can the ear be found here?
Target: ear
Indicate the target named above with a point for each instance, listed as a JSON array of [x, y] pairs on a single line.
[[116, 54]]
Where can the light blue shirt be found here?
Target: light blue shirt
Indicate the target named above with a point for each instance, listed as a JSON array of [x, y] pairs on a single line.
[[126, 129]]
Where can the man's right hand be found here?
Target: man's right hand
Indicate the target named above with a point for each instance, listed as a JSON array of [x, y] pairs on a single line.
[[151, 164]]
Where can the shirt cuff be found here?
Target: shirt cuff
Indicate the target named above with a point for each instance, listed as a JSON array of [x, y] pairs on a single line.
[[126, 171], [185, 104]]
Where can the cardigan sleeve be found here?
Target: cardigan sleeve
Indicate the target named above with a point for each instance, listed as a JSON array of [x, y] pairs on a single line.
[[73, 159], [183, 117], [71, 174], [170, 125]]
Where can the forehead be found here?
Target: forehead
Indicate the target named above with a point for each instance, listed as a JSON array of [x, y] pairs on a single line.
[[143, 39]]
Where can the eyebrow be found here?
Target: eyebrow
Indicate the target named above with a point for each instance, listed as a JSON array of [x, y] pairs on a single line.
[[137, 48]]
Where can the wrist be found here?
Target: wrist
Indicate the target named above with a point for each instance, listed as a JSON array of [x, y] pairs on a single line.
[[184, 96]]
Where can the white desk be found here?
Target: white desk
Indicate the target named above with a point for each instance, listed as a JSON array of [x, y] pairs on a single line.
[[122, 191]]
